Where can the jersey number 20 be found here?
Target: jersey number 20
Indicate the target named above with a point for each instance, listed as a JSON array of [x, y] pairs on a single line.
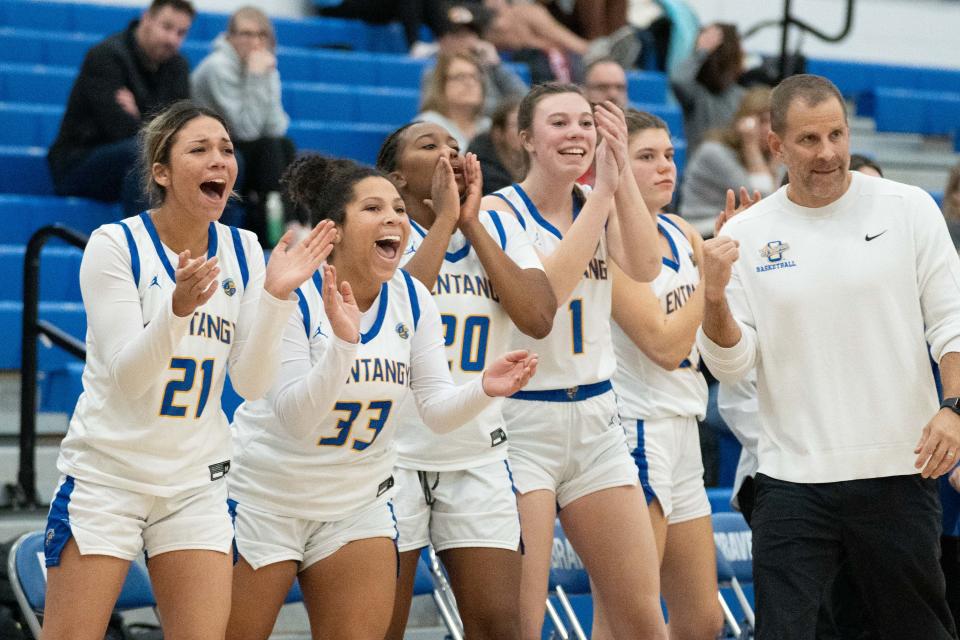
[[473, 350]]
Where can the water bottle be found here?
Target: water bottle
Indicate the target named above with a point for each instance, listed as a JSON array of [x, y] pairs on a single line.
[[274, 213]]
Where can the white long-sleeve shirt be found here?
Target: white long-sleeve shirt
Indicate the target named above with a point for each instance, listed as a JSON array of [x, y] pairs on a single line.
[[836, 306], [149, 417], [320, 445]]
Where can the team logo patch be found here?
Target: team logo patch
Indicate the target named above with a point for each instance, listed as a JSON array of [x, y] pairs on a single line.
[[229, 286], [773, 251], [402, 331]]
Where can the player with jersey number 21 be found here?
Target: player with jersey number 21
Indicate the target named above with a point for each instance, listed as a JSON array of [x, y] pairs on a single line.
[[174, 300], [313, 480]]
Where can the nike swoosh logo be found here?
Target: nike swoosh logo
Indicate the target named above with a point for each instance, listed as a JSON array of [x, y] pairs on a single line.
[[869, 237]]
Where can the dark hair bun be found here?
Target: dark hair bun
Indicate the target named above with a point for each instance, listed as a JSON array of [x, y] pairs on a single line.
[[323, 185]]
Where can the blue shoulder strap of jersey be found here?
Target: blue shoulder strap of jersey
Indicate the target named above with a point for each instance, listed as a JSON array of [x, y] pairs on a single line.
[[242, 257], [499, 225], [134, 253], [304, 311], [414, 301], [672, 223], [510, 204]]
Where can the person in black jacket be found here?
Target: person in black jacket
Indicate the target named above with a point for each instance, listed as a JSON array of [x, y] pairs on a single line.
[[499, 150], [123, 81]]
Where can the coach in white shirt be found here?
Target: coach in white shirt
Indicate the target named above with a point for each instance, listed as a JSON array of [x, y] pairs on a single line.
[[833, 288]]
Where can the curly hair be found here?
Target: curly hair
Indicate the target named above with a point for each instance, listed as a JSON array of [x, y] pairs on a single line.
[[323, 186]]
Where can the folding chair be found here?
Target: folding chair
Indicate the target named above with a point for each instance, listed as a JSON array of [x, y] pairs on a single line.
[[733, 539], [567, 577], [431, 579], [28, 578]]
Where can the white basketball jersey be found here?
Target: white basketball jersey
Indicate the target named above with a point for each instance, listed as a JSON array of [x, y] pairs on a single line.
[[346, 461], [476, 329], [646, 390], [578, 350], [175, 437]]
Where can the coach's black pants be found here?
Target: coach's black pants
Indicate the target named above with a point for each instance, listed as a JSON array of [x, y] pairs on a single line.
[[886, 531]]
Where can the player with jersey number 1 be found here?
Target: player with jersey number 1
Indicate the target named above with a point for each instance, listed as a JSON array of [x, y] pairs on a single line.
[[456, 490], [174, 301], [567, 446], [313, 478]]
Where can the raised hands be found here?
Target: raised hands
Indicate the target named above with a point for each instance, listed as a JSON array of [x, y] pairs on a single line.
[[612, 156], [719, 254], [444, 195], [196, 283], [509, 373], [290, 266], [340, 306], [472, 176], [731, 209]]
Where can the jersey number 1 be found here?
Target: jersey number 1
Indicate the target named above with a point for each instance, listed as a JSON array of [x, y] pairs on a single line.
[[185, 384], [576, 325]]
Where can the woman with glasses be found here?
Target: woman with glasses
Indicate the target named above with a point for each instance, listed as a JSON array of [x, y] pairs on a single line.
[[240, 80], [454, 96]]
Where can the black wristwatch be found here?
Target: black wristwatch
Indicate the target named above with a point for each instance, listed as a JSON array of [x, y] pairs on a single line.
[[951, 403]]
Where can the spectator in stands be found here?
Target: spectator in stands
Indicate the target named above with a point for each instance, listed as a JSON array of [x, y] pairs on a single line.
[[735, 156], [454, 98], [123, 81], [951, 205], [240, 80], [605, 79], [863, 164], [499, 150], [460, 32], [705, 83], [411, 14], [846, 460]]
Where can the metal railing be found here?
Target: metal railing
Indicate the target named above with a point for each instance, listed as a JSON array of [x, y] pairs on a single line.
[[23, 494], [789, 20]]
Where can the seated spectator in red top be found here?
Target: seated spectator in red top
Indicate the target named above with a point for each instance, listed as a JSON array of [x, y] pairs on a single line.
[[122, 82], [239, 79]]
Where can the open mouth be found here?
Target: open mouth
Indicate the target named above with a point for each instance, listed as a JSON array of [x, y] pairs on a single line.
[[214, 189], [388, 247]]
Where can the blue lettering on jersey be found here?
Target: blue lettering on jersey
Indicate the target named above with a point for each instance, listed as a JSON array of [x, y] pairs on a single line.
[[378, 370], [596, 270], [205, 325], [465, 284]]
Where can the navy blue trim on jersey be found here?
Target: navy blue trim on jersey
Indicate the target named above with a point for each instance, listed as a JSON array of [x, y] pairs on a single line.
[[573, 394], [456, 256], [155, 237], [232, 512], [241, 256], [686, 364], [535, 213], [640, 458], [58, 524], [304, 311], [134, 253], [515, 210], [671, 222], [381, 310], [499, 225], [675, 263], [414, 300]]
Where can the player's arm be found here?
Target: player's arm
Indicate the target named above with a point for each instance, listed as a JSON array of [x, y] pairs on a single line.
[[664, 338], [426, 263], [267, 303], [524, 292], [444, 406], [135, 349], [631, 232]]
